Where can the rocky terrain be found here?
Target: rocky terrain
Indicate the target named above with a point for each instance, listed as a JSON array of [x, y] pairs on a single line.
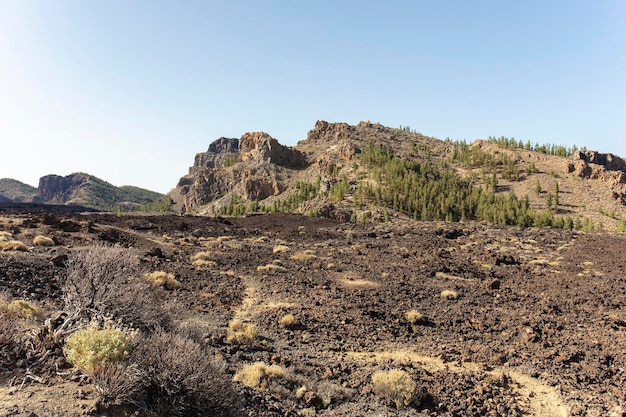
[[504, 320]]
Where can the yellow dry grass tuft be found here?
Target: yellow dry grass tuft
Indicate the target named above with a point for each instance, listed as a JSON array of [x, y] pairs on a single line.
[[395, 386], [5, 236], [414, 316], [43, 241], [258, 375], [271, 267], [14, 245], [288, 320], [305, 255], [163, 279], [281, 249], [241, 333], [449, 294], [19, 308]]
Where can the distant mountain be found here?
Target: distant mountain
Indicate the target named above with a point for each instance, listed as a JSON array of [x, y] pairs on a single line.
[[15, 191], [370, 172], [90, 191]]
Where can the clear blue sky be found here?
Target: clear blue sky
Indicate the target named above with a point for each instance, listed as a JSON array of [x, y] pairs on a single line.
[[131, 90]]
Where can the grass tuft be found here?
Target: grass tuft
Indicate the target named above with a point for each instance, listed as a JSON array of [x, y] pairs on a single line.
[[395, 386], [449, 294], [43, 241], [163, 279], [258, 375]]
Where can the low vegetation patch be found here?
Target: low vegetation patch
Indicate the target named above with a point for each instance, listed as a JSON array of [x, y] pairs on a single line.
[[19, 308], [449, 294], [271, 267], [281, 249], [163, 279], [201, 260], [414, 316], [395, 386], [241, 333], [43, 241], [14, 245], [94, 347], [305, 255], [258, 375], [288, 320], [5, 236]]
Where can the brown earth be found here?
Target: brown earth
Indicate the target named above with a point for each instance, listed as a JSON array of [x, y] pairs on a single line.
[[538, 327]]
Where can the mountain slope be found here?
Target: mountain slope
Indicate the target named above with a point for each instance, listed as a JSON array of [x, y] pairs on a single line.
[[90, 191], [15, 191], [371, 172]]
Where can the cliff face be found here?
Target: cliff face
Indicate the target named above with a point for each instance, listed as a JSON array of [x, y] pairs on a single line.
[[59, 190], [252, 167]]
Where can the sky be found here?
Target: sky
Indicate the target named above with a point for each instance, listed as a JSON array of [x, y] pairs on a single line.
[[131, 90]]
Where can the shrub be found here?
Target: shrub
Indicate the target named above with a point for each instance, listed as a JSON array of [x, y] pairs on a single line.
[[449, 294], [288, 320], [203, 263], [395, 386], [304, 255], [117, 383], [101, 281], [93, 348], [200, 260], [163, 279], [94, 278], [43, 241], [5, 236], [241, 333], [270, 267], [180, 378], [14, 245], [414, 316], [19, 308], [281, 249], [258, 375]]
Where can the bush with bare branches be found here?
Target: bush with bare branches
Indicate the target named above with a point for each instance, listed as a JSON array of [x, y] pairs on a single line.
[[181, 379]]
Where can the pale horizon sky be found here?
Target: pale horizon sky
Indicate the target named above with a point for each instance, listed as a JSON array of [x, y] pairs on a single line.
[[131, 90]]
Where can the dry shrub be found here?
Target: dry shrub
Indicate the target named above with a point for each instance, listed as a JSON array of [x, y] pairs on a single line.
[[203, 263], [258, 375], [19, 308], [201, 260], [181, 379], [288, 320], [5, 236], [281, 249], [241, 333], [449, 294], [101, 281], [14, 245], [261, 239], [306, 255], [271, 267], [43, 241], [117, 383], [395, 386], [163, 279], [414, 316]]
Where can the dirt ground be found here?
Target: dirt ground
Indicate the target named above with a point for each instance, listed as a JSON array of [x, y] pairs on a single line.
[[537, 327]]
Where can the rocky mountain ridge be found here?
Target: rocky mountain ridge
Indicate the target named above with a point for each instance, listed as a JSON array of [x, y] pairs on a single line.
[[76, 189], [257, 172]]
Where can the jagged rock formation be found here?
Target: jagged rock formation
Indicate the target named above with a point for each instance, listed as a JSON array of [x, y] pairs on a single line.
[[252, 167], [89, 191], [605, 167], [258, 167], [59, 190]]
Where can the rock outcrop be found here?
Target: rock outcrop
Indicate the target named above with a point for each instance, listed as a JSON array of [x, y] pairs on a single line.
[[58, 189], [603, 166], [251, 167]]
